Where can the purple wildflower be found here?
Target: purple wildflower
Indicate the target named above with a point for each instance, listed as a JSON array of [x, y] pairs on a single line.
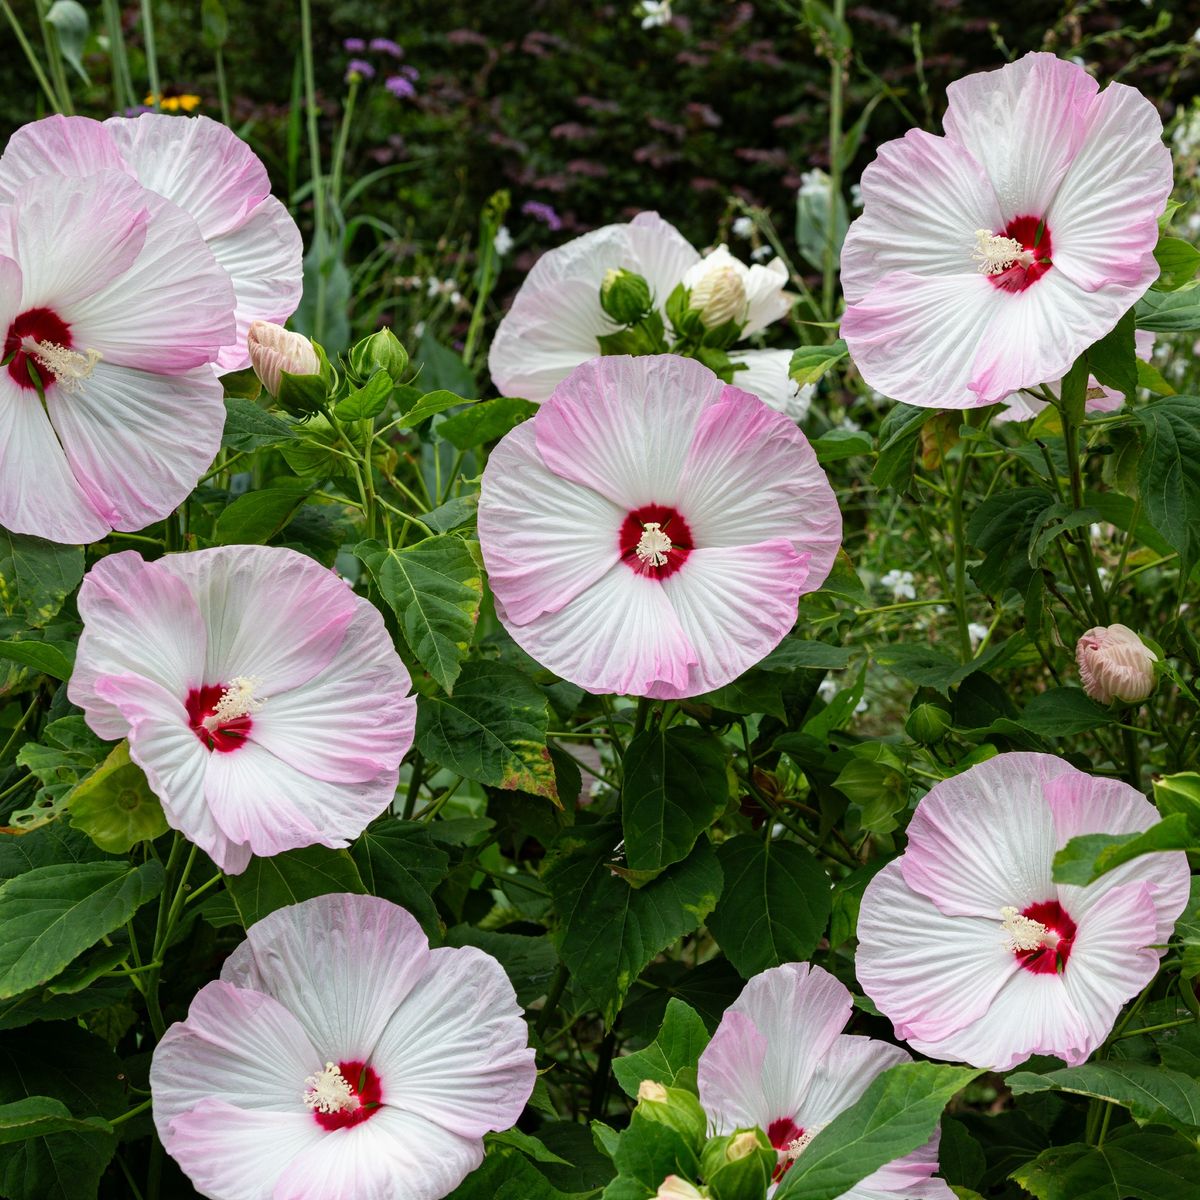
[[410, 73], [400, 87], [544, 213], [359, 67], [386, 46], [354, 45]]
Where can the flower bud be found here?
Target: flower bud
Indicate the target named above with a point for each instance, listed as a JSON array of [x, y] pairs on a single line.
[[381, 351], [738, 1166], [718, 289], [1115, 664], [674, 1188], [929, 718], [676, 1108], [651, 1091], [274, 350], [625, 296]]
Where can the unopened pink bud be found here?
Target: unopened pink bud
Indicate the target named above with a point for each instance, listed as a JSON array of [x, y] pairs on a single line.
[[674, 1188], [1115, 664], [274, 350]]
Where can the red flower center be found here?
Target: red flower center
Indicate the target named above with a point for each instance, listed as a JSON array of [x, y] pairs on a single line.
[[365, 1086], [1051, 957], [655, 540], [216, 732], [782, 1133], [1034, 236], [43, 326]]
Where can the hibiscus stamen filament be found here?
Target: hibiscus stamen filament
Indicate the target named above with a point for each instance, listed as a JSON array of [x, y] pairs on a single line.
[[329, 1092], [653, 545], [1024, 933], [69, 367], [996, 253], [237, 700]]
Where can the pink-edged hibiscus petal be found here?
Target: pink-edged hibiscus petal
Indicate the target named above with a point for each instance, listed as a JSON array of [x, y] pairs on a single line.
[[38, 493], [662, 254], [263, 257], [635, 643], [1024, 123], [749, 476], [195, 162], [767, 375], [735, 605], [620, 425], [353, 721], [908, 1178], [546, 539], [924, 197], [74, 240], [1105, 214], [121, 592], [917, 337], [965, 871], [456, 1051], [394, 1149], [842, 1073], [57, 145], [271, 614], [175, 762], [341, 963], [169, 311], [290, 807], [137, 442], [929, 974]]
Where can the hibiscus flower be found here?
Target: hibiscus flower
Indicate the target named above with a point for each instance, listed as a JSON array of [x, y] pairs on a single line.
[[556, 319], [111, 310], [780, 1061], [339, 1058], [261, 696], [972, 950], [651, 529], [208, 171], [989, 259]]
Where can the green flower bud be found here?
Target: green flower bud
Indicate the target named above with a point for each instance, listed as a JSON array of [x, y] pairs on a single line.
[[738, 1166], [927, 724], [674, 1107], [379, 352], [625, 296]]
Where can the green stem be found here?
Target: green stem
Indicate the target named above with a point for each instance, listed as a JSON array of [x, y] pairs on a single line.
[[414, 785], [836, 77], [54, 59], [151, 54], [22, 721], [122, 81], [339, 153], [959, 534], [557, 986], [31, 57], [320, 230], [133, 1112], [222, 85]]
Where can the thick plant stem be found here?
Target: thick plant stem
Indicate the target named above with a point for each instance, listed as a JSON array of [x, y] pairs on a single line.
[[836, 79], [320, 229]]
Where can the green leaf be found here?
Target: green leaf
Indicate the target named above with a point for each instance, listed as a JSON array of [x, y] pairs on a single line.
[[248, 427], [244, 384], [647, 1152], [429, 404], [69, 20], [49, 846], [1170, 312], [897, 1113], [839, 444], [39, 1116], [256, 517], [793, 654], [214, 24], [325, 263], [287, 878], [1154, 1095], [1001, 527], [400, 861], [608, 930], [675, 786], [1087, 857], [68, 752], [809, 363], [1177, 261], [51, 915], [775, 904], [1064, 711], [529, 962], [36, 577], [485, 422], [60, 1062], [442, 368], [367, 401], [434, 587], [1169, 469], [1059, 518], [1133, 1164], [114, 805], [898, 436], [1113, 360], [671, 1058], [56, 659], [492, 730], [506, 1174]]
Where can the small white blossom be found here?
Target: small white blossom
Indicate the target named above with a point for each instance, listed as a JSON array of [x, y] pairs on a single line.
[[760, 253], [900, 584], [653, 12], [976, 633], [502, 243], [743, 227]]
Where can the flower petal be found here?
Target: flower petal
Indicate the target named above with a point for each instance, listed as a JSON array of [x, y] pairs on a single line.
[[924, 198], [1024, 123], [622, 426], [930, 974], [138, 620], [766, 300], [985, 839], [635, 643], [457, 1049], [137, 443], [352, 721], [392, 1150], [767, 376], [341, 963], [916, 338], [732, 1078], [844, 1070], [735, 604], [57, 145], [545, 539]]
